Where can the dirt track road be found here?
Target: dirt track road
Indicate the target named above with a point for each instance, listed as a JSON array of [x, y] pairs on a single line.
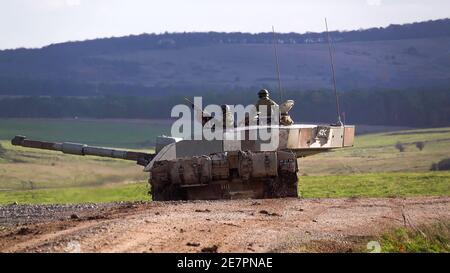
[[222, 226]]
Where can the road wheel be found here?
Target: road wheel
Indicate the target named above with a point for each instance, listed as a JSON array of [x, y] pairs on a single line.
[[168, 192], [285, 185]]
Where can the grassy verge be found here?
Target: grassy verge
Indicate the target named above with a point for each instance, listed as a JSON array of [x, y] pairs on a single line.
[[433, 238], [376, 185], [115, 193], [430, 238]]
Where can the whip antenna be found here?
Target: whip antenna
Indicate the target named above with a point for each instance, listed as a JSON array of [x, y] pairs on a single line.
[[278, 64], [338, 110]]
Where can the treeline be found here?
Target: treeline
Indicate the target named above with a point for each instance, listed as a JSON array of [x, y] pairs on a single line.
[[427, 29], [416, 108], [16, 86]]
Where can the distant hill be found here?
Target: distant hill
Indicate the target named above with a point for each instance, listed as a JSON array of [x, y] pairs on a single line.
[[396, 57]]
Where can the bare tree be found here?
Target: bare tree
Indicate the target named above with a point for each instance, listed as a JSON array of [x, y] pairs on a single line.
[[399, 146], [420, 145]]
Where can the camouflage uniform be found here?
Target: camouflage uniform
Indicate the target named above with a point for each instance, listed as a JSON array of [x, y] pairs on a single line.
[[227, 117], [266, 101]]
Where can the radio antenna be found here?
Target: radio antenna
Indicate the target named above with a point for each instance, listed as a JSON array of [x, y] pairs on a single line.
[[278, 64], [338, 110]]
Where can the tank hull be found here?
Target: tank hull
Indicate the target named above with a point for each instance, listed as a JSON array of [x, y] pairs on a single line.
[[235, 175]]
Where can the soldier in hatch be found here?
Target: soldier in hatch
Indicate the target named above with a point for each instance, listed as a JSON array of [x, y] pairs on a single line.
[[264, 100], [227, 117]]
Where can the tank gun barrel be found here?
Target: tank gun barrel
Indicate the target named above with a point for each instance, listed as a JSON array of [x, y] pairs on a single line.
[[82, 149]]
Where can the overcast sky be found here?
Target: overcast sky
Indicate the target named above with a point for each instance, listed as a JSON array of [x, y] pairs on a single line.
[[35, 23]]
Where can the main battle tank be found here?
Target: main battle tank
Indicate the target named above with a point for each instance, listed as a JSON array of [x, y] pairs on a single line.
[[183, 169]]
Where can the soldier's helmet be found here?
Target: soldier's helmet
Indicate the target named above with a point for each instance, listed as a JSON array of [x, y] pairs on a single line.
[[263, 93]]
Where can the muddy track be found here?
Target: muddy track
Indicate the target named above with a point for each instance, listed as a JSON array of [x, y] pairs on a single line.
[[222, 226]]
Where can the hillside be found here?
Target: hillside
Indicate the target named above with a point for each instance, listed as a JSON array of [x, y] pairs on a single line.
[[396, 57]]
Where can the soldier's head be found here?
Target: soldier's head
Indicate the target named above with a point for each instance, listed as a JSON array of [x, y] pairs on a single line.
[[263, 93]]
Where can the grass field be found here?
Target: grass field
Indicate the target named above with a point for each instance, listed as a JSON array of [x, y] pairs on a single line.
[[29, 169], [374, 153], [113, 133], [373, 168], [376, 185]]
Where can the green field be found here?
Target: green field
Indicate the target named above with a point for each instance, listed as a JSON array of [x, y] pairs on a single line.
[[373, 168], [30, 169], [111, 133], [376, 185]]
